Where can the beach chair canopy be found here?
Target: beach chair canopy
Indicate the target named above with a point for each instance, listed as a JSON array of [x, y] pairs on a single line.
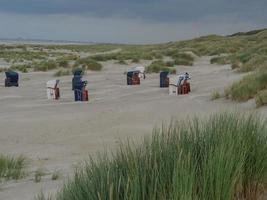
[[141, 69], [52, 83], [130, 74], [77, 72], [174, 80], [12, 76], [164, 74]]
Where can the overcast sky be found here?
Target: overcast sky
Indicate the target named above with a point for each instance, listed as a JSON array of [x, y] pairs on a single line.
[[125, 21]]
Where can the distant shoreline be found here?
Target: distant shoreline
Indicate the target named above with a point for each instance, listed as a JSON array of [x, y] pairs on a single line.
[[42, 42]]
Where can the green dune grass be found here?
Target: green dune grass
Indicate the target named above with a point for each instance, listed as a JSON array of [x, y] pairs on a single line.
[[12, 167], [222, 157]]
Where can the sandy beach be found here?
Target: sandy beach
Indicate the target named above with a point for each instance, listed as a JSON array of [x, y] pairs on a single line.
[[56, 135]]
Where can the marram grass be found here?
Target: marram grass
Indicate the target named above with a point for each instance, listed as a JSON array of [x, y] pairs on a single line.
[[223, 157], [12, 167]]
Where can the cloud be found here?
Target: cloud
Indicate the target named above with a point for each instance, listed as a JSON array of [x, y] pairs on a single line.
[[156, 10], [125, 21], [116, 30]]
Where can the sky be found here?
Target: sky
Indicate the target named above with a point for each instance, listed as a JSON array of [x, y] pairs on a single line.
[[128, 21]]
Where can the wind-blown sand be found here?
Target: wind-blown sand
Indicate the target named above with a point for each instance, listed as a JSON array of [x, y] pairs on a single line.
[[59, 134]]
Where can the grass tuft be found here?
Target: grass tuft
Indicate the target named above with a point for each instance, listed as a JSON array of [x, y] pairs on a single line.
[[158, 66], [55, 175], [215, 95], [183, 59], [39, 173], [221, 157], [42, 196], [248, 87], [12, 167], [261, 98], [89, 63]]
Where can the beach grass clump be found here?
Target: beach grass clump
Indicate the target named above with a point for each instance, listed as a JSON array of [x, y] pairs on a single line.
[[128, 53], [261, 98], [45, 65], [38, 174], [256, 62], [222, 60], [220, 157], [183, 59], [14, 55], [158, 66], [22, 68], [248, 87], [215, 95], [55, 175], [170, 63], [63, 63], [42, 196], [236, 65], [135, 60], [12, 167], [89, 63]]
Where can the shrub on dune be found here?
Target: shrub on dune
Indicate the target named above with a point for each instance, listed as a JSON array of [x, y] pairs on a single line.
[[220, 60], [135, 60], [248, 87], [158, 66], [183, 59], [89, 63], [45, 65], [22, 68], [261, 98]]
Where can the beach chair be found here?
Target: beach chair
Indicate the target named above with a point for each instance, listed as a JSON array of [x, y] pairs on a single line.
[[164, 79], [133, 78], [141, 70], [12, 79], [179, 85], [77, 75], [173, 85], [79, 87], [52, 89]]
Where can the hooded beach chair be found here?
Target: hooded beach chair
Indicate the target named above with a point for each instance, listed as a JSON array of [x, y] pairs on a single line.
[[77, 75], [164, 79], [133, 78], [179, 84], [173, 85], [79, 87], [141, 70], [52, 89], [12, 79]]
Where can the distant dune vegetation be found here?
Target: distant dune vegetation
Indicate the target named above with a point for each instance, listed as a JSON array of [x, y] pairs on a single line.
[[245, 52]]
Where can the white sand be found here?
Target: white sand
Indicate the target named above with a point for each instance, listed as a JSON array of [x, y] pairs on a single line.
[[59, 134]]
